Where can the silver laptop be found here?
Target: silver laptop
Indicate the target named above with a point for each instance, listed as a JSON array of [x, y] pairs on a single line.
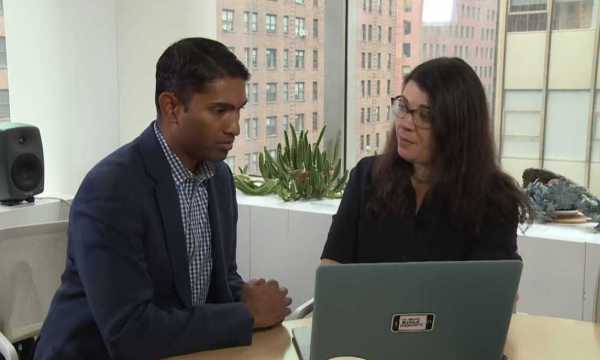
[[418, 311]]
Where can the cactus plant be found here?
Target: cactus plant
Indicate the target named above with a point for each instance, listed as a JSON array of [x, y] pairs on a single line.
[[299, 170]]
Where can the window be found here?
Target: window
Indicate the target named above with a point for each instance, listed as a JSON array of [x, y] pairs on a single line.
[[271, 58], [390, 34], [407, 27], [299, 91], [362, 142], [247, 57], [530, 15], [227, 17], [369, 61], [315, 28], [406, 50], [362, 115], [255, 93], [286, 58], [368, 114], [364, 32], [362, 60], [378, 61], [368, 142], [253, 168], [300, 30], [315, 121], [362, 88], [300, 2], [254, 22], [379, 33], [247, 128], [370, 32], [315, 91], [387, 113], [286, 91], [286, 122], [247, 21], [230, 161], [271, 23], [407, 5], [286, 24], [299, 124], [388, 87], [391, 8], [315, 59], [299, 59], [378, 87], [2, 52], [271, 129], [271, 92], [377, 140], [254, 57], [573, 14], [254, 128], [389, 62], [377, 113], [368, 88]]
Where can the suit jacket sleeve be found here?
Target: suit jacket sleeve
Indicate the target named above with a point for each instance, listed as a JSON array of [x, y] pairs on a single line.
[[107, 243]]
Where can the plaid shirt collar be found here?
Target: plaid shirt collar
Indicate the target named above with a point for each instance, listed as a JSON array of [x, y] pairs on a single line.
[[180, 173]]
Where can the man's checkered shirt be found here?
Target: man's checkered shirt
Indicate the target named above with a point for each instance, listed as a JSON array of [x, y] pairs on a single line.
[[193, 202]]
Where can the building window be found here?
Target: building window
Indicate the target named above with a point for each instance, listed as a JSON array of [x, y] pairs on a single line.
[[299, 91], [377, 140], [299, 124], [369, 61], [315, 28], [271, 129], [388, 87], [301, 2], [377, 110], [247, 21], [254, 22], [573, 14], [247, 128], [407, 5], [390, 34], [362, 60], [378, 87], [362, 88], [254, 128], [286, 91], [368, 114], [391, 8], [271, 58], [271, 92], [315, 91], [368, 142], [227, 17], [378, 61], [315, 59], [286, 122], [527, 15], [362, 142], [255, 93], [370, 32], [254, 57], [389, 62], [379, 33], [364, 32], [286, 58], [406, 50], [368, 88], [387, 113], [253, 169], [300, 29], [362, 115], [407, 27], [299, 59], [271, 23], [315, 121], [286, 24]]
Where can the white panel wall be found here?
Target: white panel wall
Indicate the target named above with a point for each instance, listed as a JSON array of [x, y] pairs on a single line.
[[145, 29], [62, 65], [591, 298]]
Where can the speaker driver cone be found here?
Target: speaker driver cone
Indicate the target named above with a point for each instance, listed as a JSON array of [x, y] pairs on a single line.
[[26, 172]]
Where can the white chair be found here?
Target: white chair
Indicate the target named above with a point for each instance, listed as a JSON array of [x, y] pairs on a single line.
[[32, 259], [302, 311]]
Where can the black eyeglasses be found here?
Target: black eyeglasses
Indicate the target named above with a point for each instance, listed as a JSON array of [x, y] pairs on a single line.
[[421, 116]]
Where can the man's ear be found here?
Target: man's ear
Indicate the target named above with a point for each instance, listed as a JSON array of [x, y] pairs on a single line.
[[169, 106]]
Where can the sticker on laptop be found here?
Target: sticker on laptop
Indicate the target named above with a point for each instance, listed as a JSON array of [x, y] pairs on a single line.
[[412, 322]]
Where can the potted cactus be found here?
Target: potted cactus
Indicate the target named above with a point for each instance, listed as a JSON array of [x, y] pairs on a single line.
[[299, 170]]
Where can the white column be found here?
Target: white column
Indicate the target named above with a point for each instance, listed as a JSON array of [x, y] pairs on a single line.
[[62, 67], [145, 30]]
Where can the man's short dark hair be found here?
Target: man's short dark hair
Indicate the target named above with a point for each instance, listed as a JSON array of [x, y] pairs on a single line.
[[190, 64]]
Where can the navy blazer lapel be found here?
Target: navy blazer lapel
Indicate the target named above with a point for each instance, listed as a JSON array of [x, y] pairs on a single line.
[[168, 202], [219, 285]]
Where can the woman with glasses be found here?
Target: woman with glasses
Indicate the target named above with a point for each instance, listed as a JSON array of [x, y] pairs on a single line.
[[437, 192]]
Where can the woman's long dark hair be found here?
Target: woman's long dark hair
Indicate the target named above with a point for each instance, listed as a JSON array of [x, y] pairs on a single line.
[[466, 176]]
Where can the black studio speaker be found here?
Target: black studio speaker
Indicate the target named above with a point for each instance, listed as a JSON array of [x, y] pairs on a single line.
[[21, 163]]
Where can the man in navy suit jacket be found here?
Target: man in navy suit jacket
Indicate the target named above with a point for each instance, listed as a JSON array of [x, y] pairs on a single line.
[[151, 269]]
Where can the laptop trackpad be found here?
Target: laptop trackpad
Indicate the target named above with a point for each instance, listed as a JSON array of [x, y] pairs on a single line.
[[301, 340]]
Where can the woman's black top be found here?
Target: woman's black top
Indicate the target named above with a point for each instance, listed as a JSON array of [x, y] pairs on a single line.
[[358, 236]]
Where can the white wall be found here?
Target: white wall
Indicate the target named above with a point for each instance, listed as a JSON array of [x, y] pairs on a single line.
[[83, 72], [61, 70], [144, 32]]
